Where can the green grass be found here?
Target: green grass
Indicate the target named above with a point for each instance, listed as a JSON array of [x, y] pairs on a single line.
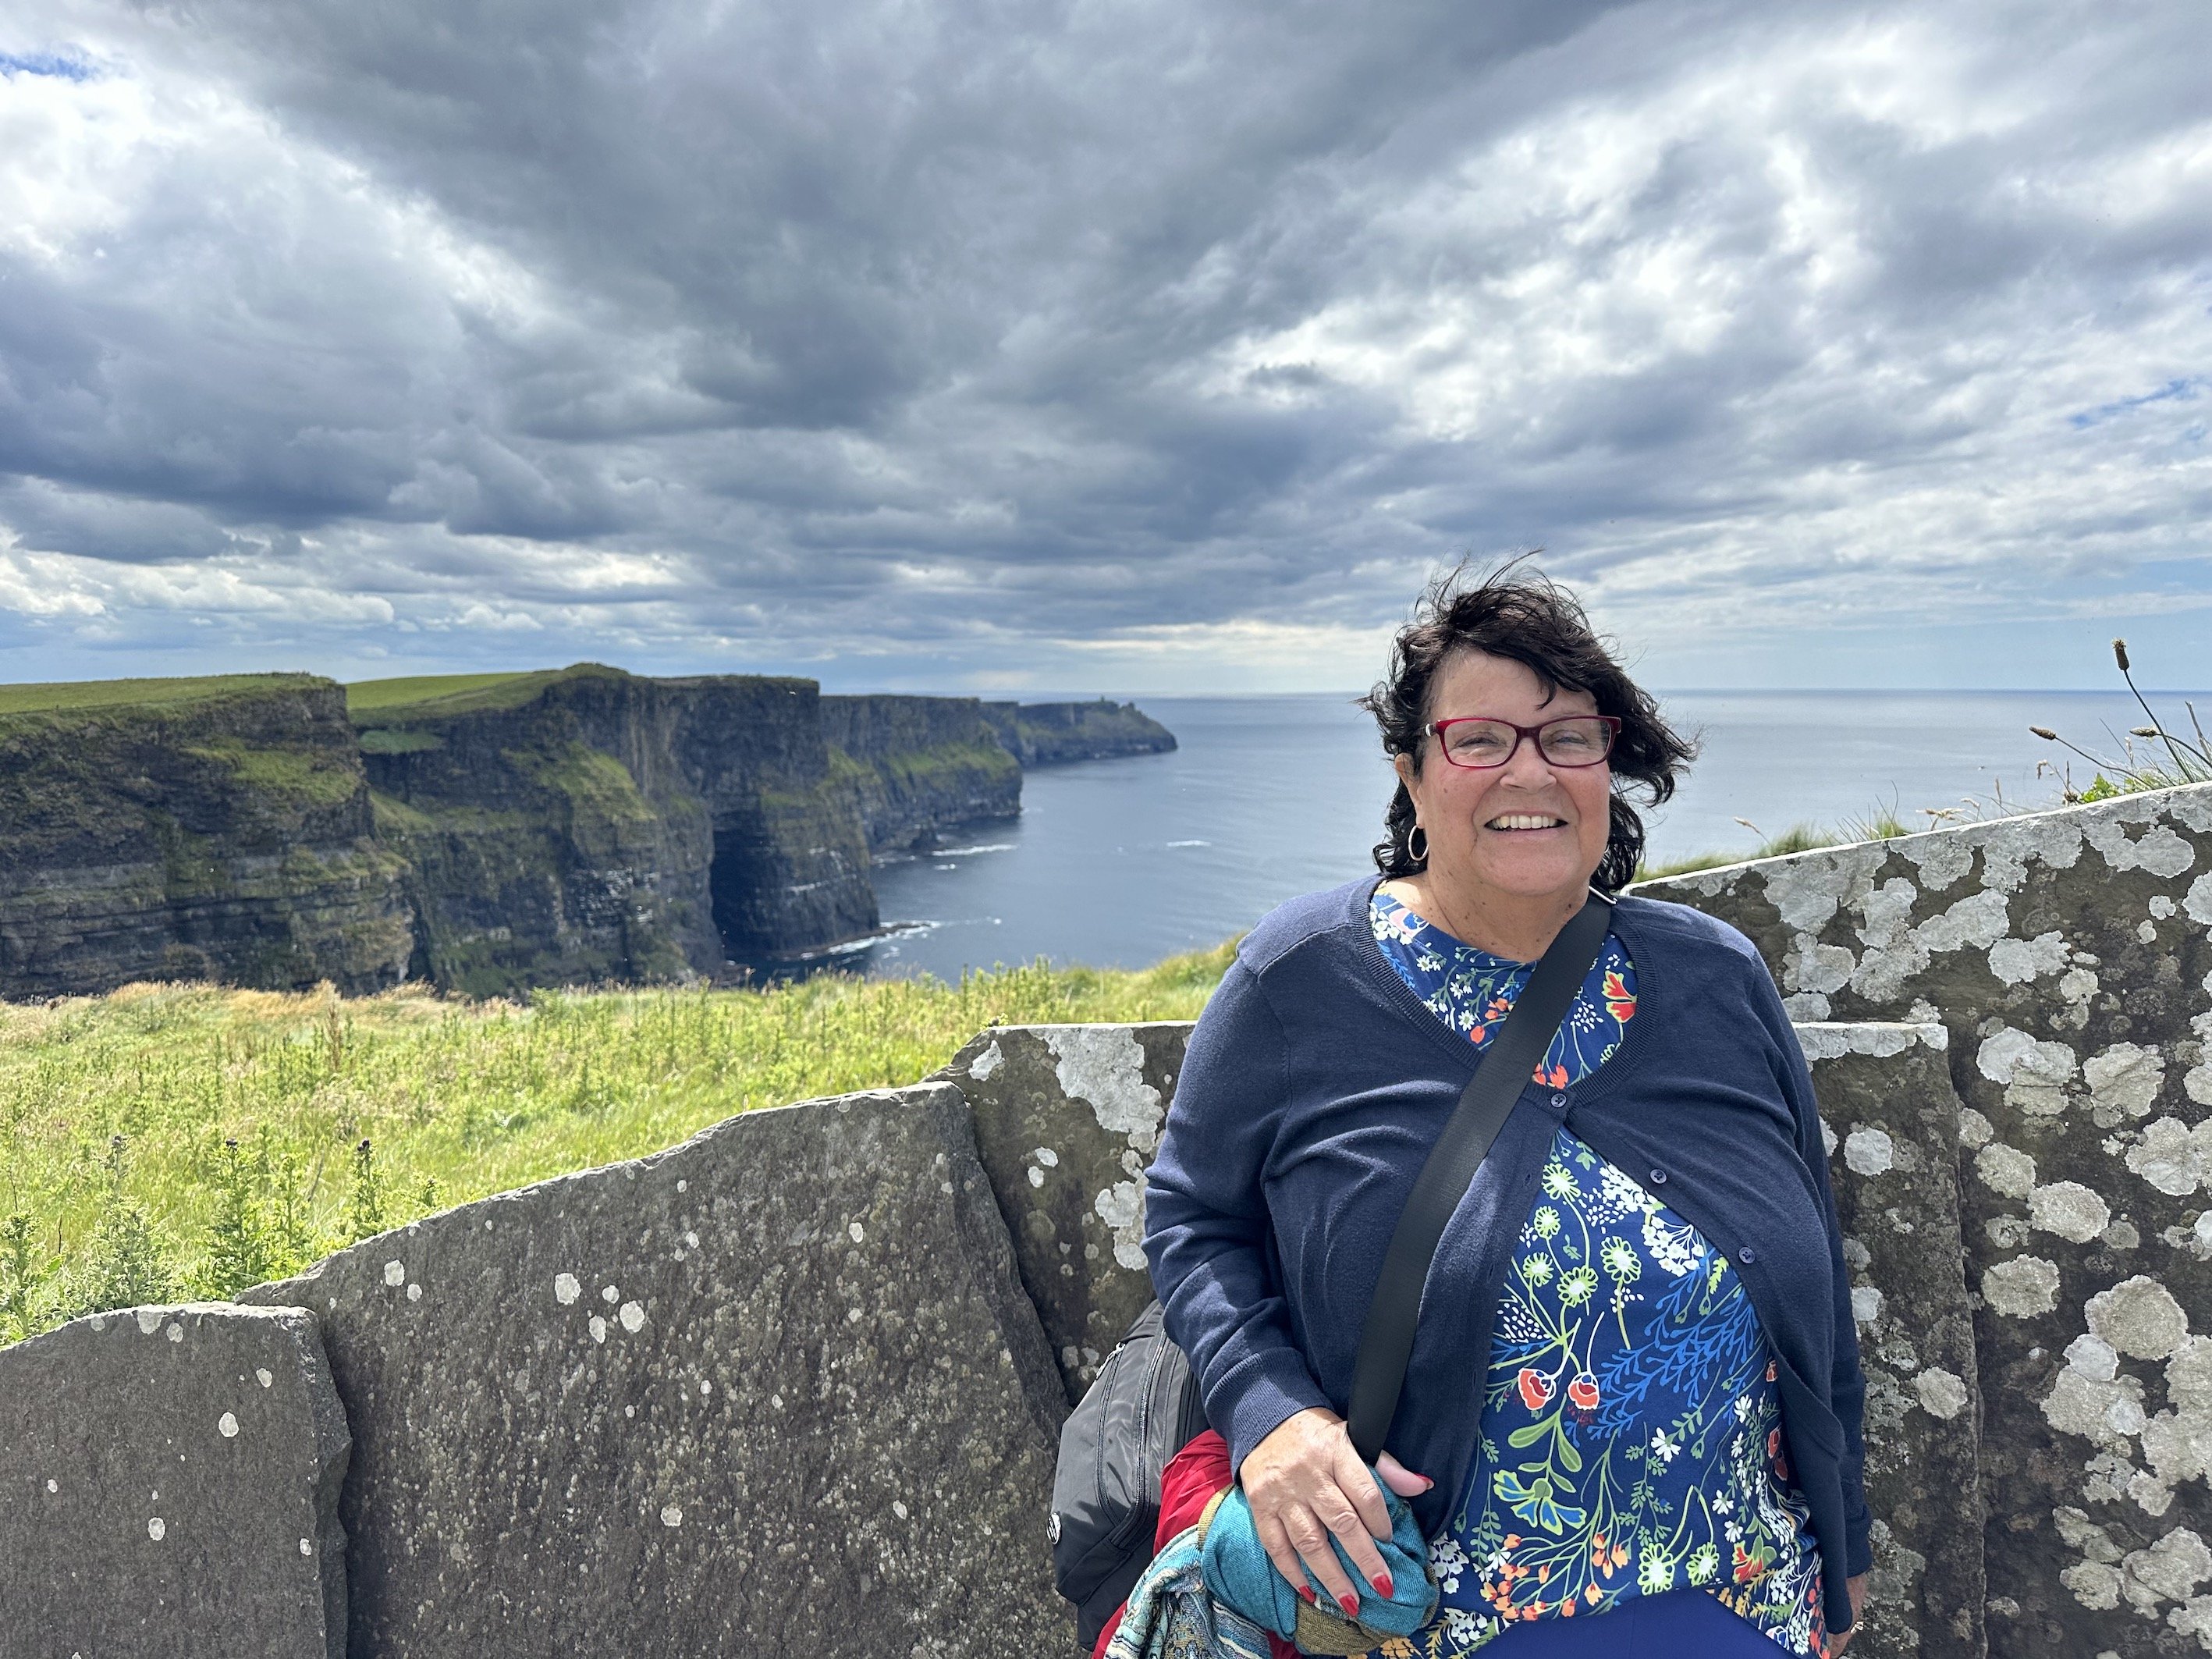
[[65, 695], [452, 694], [169, 1141], [308, 776], [591, 779], [396, 740], [949, 763]]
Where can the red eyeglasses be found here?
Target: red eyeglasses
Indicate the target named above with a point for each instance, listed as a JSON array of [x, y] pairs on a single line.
[[1481, 743]]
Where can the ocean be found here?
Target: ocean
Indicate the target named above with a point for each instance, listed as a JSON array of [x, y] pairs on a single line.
[[1118, 863]]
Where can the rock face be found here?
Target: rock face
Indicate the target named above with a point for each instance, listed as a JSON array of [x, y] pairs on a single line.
[[491, 832], [191, 830], [790, 869], [919, 765], [2066, 954], [1048, 733], [1888, 1107], [591, 824], [169, 1488], [777, 1390], [1066, 1118]]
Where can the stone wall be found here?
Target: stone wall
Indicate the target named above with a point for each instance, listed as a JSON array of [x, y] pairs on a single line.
[[1066, 1118], [794, 1386], [168, 1486], [776, 1390], [1890, 1119], [2066, 955]]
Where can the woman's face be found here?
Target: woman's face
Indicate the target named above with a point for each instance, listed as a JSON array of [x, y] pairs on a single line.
[[1527, 828]]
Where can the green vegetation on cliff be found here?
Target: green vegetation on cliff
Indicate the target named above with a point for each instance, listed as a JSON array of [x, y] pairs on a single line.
[[448, 693], [74, 696], [314, 777], [913, 766], [492, 832], [1048, 733], [586, 779], [167, 1140], [211, 828]]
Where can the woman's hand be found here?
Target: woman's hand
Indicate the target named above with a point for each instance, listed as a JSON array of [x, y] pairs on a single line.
[[1304, 1482], [1857, 1590]]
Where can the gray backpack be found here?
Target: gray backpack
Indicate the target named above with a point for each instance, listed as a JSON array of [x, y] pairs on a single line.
[[1143, 1409]]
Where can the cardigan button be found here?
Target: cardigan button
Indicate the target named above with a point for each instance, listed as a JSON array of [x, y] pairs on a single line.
[[1558, 1101], [1746, 1254], [1658, 1177]]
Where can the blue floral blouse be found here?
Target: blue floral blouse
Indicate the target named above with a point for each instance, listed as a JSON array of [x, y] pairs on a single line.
[[1631, 1439]]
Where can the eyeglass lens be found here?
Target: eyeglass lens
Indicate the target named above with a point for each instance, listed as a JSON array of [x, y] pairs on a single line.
[[1563, 742]]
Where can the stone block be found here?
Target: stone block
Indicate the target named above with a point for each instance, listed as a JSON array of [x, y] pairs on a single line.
[[1893, 1118], [169, 1488], [1066, 1119], [775, 1390], [2067, 954]]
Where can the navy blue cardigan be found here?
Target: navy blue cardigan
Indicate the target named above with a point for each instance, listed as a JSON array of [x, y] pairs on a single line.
[[1315, 1085]]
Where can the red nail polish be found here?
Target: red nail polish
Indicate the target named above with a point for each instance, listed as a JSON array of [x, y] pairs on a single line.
[[1306, 1590], [1383, 1586], [1349, 1603]]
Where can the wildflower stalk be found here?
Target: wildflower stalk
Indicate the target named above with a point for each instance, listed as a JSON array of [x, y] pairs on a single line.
[[2120, 656], [2097, 761]]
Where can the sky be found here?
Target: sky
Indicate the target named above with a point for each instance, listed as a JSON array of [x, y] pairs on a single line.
[[998, 344]]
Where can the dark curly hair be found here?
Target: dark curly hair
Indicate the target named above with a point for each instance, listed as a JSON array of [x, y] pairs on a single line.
[[1515, 612]]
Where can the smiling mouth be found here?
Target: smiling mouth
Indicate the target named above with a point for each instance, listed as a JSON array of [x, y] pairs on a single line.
[[1517, 820]]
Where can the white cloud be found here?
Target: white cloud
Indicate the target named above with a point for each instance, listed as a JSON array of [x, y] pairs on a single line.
[[1171, 345]]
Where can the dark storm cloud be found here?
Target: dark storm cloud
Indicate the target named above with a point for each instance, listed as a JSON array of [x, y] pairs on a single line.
[[779, 328], [102, 526]]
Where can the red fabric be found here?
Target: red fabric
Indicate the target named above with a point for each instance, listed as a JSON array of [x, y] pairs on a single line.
[[1107, 1635], [1188, 1485]]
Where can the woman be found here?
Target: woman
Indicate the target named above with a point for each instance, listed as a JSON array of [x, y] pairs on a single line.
[[1631, 1418]]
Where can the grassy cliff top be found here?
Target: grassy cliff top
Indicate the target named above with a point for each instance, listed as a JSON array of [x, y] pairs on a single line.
[[457, 1099], [370, 702], [438, 696], [60, 695]]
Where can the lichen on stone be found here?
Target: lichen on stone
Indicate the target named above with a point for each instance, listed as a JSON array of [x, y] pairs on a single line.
[[2022, 1288], [2005, 1169], [2068, 1209], [2173, 1157], [2139, 1317]]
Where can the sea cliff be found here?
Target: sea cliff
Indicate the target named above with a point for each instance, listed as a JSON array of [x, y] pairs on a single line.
[[915, 765], [590, 824], [489, 832], [1050, 733], [206, 829]]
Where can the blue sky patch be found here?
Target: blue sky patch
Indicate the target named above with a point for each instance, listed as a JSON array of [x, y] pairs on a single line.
[[2183, 391], [58, 65]]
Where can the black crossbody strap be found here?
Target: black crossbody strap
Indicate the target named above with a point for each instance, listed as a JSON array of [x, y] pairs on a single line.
[[1386, 1342]]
